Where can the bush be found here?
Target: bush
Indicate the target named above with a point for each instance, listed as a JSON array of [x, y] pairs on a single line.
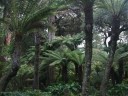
[[120, 89], [27, 93], [61, 89]]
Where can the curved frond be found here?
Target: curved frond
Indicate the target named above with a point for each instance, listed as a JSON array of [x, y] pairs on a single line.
[[99, 55], [121, 53], [27, 14], [76, 57], [114, 7]]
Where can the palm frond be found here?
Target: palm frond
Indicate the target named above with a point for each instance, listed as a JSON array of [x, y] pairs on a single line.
[[53, 55], [55, 63], [26, 14], [115, 7], [121, 53], [76, 57], [99, 55], [124, 55]]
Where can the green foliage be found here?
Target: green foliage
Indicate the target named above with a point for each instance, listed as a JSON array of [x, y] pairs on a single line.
[[26, 58], [120, 89], [55, 57], [26, 15], [121, 53], [64, 89], [70, 41], [23, 79], [76, 57], [93, 91], [25, 70], [105, 10], [27, 93], [115, 7], [99, 55]]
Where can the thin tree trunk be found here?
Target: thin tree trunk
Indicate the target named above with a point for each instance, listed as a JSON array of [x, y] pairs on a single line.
[[51, 73], [76, 71], [125, 74], [88, 11], [64, 73], [113, 76], [80, 74], [37, 61], [51, 36], [120, 71], [15, 64], [113, 45]]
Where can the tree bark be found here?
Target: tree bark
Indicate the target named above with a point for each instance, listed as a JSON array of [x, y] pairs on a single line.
[[76, 71], [80, 74], [120, 71], [88, 11], [114, 76], [51, 74], [15, 64], [113, 45], [64, 73], [37, 61], [51, 36]]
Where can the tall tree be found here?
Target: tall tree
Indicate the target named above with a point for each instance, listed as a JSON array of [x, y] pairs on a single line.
[[88, 12], [77, 57], [116, 10], [87, 7], [23, 19]]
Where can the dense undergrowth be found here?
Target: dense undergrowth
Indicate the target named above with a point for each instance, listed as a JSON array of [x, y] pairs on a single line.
[[72, 89]]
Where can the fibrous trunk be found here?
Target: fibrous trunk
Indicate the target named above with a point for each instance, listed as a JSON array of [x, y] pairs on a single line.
[[120, 71], [15, 64], [80, 74], [51, 73], [113, 45], [88, 11], [64, 73], [37, 61]]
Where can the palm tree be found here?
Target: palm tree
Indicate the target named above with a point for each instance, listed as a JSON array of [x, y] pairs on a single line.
[[88, 12], [77, 57], [115, 9], [121, 55], [58, 58], [22, 19], [87, 8]]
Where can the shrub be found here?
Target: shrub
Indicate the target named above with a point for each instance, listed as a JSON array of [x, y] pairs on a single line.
[[120, 89], [27, 93], [72, 89]]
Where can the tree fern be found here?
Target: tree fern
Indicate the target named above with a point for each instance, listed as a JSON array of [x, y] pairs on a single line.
[[115, 7], [23, 19]]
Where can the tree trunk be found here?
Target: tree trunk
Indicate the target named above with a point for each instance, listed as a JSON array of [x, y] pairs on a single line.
[[125, 74], [88, 11], [15, 64], [120, 71], [113, 76], [64, 73], [76, 71], [51, 73], [80, 74], [113, 45], [37, 61], [51, 36]]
